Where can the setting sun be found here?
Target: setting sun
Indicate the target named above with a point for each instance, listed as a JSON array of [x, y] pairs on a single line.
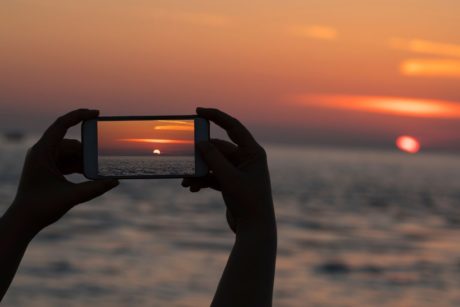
[[408, 144]]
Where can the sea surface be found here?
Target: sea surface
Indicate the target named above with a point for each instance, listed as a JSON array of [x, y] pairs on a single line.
[[146, 165], [356, 228]]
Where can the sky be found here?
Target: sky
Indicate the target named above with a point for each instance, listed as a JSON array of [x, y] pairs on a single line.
[[146, 138], [327, 72]]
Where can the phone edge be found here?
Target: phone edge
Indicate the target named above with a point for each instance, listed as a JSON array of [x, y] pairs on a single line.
[[85, 153]]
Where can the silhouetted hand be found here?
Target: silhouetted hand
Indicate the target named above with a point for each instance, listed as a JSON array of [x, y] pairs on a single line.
[[44, 194], [239, 172]]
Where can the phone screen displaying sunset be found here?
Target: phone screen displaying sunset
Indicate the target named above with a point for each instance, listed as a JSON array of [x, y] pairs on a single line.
[[146, 147]]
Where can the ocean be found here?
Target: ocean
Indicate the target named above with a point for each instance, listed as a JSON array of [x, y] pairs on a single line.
[[146, 165], [356, 228]]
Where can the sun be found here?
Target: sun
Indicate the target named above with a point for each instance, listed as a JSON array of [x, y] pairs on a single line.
[[408, 144], [156, 152]]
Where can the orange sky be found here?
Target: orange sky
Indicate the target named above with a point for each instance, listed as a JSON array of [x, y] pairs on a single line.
[[247, 57], [143, 137]]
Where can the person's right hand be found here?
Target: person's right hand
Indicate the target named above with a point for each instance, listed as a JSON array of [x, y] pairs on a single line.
[[240, 171]]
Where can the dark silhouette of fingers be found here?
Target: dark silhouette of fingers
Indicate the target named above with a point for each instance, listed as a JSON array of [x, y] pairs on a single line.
[[230, 220], [88, 190], [69, 157], [202, 182], [231, 152], [186, 182], [227, 148], [70, 145], [56, 132], [194, 184], [224, 171], [237, 132]]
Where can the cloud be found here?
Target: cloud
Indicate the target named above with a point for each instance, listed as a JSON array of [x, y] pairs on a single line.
[[175, 125], [396, 106], [175, 128], [178, 122], [430, 68], [315, 31], [425, 47], [158, 141]]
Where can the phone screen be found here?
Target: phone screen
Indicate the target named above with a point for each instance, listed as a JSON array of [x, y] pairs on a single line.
[[130, 148]]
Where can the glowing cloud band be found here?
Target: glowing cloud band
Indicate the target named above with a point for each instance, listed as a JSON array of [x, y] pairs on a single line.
[[175, 128], [398, 106], [430, 68], [158, 141]]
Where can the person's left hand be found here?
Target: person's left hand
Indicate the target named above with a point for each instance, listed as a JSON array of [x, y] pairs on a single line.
[[44, 194]]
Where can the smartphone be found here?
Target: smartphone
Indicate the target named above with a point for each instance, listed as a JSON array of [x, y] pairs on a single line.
[[125, 147]]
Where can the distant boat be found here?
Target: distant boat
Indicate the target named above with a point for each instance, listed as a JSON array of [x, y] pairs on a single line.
[[14, 136]]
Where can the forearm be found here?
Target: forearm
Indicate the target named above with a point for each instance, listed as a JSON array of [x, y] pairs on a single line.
[[249, 274], [14, 239]]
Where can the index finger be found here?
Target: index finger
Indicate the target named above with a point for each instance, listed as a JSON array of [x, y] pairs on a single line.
[[56, 132], [237, 132]]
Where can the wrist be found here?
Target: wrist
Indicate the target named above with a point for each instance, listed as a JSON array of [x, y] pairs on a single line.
[[262, 228], [17, 224]]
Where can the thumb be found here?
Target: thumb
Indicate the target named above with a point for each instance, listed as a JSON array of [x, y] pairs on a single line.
[[216, 161], [230, 220], [88, 190]]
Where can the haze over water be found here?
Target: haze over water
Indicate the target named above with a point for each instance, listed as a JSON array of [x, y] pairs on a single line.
[[356, 227]]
